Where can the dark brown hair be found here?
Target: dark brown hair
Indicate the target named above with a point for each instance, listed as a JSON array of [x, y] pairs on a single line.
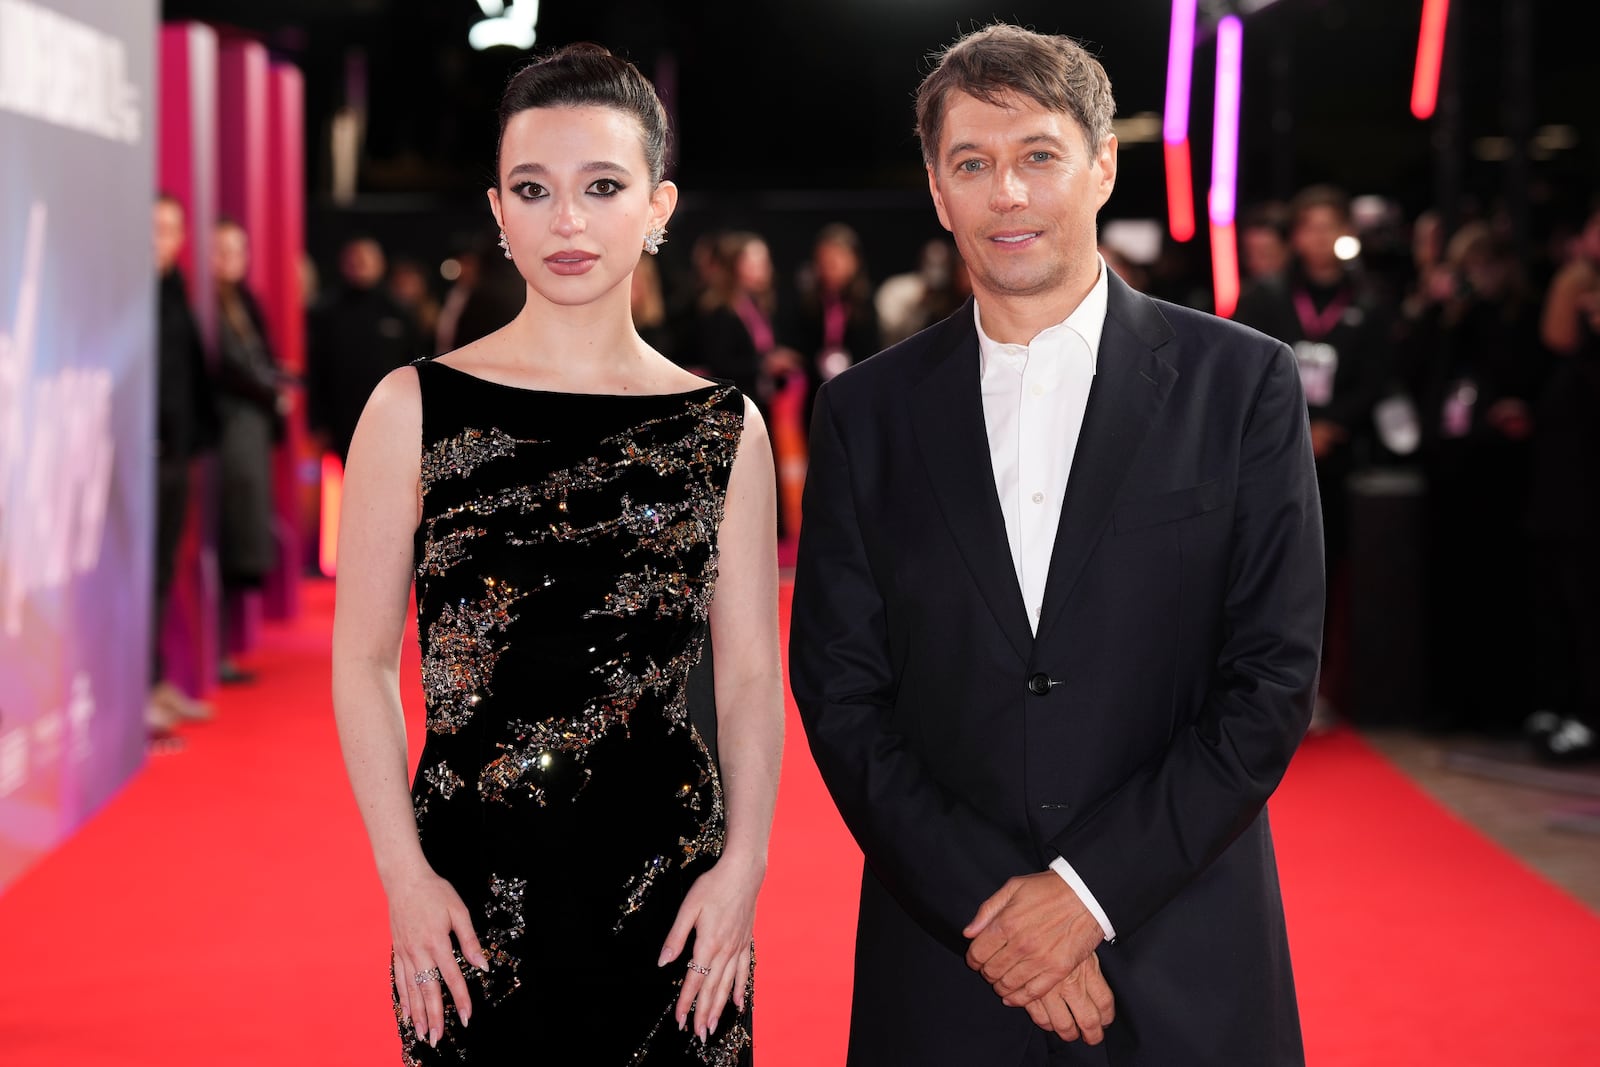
[[1315, 196], [582, 75], [1054, 72]]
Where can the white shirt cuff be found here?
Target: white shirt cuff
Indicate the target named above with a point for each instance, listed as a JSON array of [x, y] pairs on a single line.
[[1070, 876]]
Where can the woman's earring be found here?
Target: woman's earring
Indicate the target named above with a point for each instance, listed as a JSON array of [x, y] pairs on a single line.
[[505, 246], [654, 239]]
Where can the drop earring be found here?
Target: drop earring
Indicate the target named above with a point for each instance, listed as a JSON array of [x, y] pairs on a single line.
[[654, 239], [505, 246]]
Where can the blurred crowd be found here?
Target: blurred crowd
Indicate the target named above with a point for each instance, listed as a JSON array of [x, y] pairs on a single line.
[[1464, 357]]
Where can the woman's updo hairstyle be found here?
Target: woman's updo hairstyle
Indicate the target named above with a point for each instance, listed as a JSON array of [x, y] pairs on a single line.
[[581, 75]]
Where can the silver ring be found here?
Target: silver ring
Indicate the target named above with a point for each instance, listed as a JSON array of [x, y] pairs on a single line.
[[431, 975], [699, 968]]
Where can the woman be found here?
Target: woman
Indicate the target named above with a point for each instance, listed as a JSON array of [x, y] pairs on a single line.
[[252, 402], [574, 872]]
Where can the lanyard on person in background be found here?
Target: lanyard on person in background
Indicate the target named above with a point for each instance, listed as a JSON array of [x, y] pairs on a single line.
[[1318, 324]]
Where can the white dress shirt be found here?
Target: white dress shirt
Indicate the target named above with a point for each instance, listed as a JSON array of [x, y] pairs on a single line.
[[1034, 398]]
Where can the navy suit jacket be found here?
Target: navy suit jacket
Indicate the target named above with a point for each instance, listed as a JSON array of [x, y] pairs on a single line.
[[1178, 646]]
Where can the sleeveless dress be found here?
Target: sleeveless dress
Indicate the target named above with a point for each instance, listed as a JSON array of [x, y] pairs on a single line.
[[565, 566]]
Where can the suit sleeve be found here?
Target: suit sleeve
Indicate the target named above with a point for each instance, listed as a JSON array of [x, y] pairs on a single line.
[[1165, 825], [937, 855]]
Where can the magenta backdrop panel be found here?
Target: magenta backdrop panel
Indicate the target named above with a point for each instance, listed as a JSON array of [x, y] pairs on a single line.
[[242, 138], [295, 471], [77, 410]]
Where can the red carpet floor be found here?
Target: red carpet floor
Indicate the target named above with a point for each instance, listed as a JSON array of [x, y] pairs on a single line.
[[223, 911]]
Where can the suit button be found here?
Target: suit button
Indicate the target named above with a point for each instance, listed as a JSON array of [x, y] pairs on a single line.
[[1039, 684]]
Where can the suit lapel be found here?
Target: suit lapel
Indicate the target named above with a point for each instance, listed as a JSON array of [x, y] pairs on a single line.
[[947, 414], [1131, 384]]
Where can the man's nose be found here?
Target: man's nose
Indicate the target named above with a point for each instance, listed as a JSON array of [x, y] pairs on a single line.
[[1010, 192]]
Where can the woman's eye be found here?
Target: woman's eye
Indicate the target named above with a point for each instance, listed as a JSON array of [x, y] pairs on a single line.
[[528, 190], [606, 187]]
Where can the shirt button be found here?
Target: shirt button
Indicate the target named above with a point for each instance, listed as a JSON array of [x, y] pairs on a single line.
[[1037, 390], [1038, 498]]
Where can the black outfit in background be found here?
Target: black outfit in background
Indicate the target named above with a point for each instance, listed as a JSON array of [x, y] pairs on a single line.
[[721, 346], [495, 299], [1565, 523], [565, 568], [186, 425], [1138, 734], [1340, 336], [1312, 319], [818, 335], [1466, 360], [356, 338], [249, 380]]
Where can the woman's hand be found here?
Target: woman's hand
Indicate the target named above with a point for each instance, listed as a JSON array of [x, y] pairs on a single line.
[[721, 909], [424, 911]]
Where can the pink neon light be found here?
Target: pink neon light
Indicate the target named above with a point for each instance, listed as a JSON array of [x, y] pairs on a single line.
[[1180, 192], [1430, 56], [1225, 268], [1225, 132], [332, 498], [1175, 124], [1180, 71]]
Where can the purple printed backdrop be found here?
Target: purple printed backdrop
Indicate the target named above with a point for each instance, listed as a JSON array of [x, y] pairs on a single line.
[[77, 410]]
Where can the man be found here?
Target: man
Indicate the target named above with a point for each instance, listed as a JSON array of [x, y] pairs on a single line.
[[1339, 331], [1051, 709], [360, 334]]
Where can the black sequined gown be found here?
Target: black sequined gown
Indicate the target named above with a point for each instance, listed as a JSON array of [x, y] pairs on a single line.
[[564, 569]]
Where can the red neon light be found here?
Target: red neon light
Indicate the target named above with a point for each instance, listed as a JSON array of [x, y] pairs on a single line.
[[1225, 268], [1180, 192], [332, 494], [1430, 57]]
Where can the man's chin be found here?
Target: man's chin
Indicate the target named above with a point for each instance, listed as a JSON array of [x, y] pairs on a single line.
[[1021, 283]]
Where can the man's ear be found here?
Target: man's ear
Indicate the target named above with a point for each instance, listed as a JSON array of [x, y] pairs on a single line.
[[1106, 164], [938, 201]]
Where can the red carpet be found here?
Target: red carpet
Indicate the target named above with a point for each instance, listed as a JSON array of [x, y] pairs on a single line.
[[223, 911]]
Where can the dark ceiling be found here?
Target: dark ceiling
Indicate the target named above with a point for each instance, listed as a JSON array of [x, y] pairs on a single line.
[[815, 94]]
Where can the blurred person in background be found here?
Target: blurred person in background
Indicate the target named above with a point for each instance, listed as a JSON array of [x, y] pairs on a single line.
[[253, 402], [910, 302], [732, 335], [1340, 332], [1476, 365], [735, 339], [1565, 512], [1264, 241], [1137, 277], [357, 334], [186, 425], [649, 307], [468, 266], [834, 324], [494, 297], [411, 285]]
